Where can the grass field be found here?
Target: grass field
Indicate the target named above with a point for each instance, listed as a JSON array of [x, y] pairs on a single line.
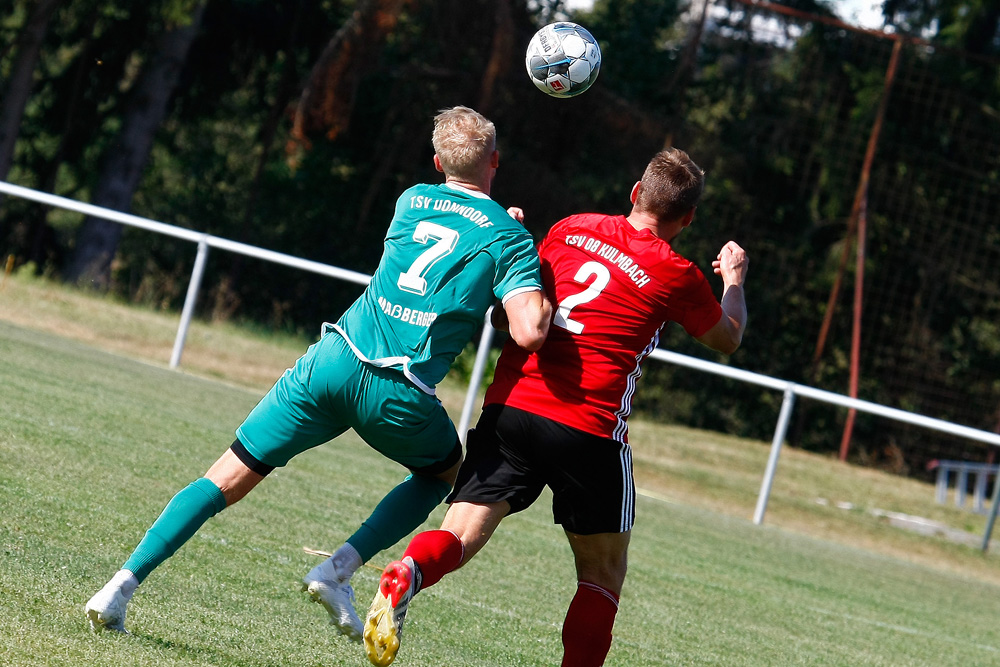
[[93, 444]]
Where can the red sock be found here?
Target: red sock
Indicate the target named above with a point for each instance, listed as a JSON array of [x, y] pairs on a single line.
[[436, 553], [586, 634]]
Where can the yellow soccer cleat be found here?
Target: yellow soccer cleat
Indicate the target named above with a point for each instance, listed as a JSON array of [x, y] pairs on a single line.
[[384, 624]]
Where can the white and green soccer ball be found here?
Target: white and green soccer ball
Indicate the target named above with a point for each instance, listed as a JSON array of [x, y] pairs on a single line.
[[563, 59]]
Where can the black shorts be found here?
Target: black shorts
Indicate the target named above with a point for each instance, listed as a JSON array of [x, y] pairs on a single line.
[[512, 455]]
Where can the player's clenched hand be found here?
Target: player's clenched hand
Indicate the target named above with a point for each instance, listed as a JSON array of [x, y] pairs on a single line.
[[731, 263], [516, 213]]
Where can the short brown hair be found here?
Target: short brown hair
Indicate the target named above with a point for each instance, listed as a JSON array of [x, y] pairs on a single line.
[[464, 140], [671, 185]]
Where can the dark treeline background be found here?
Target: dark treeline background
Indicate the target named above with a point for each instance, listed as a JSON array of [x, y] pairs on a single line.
[[294, 125]]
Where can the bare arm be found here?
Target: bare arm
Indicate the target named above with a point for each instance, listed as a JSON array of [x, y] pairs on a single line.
[[527, 317], [727, 334]]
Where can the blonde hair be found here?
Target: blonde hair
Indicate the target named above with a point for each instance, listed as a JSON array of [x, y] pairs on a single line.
[[671, 185], [464, 140]]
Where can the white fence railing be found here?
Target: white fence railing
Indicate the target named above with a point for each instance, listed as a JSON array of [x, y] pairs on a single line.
[[790, 390], [204, 241]]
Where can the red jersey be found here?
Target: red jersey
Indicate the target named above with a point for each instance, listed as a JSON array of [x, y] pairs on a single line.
[[615, 288]]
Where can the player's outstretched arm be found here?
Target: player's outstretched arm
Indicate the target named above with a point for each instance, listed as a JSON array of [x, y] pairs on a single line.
[[727, 334], [528, 316]]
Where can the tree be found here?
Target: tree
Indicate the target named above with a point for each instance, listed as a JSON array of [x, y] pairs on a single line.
[[15, 95], [970, 25], [328, 98], [97, 239]]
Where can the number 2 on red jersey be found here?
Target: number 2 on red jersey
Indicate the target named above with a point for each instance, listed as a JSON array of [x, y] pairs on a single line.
[[588, 270]]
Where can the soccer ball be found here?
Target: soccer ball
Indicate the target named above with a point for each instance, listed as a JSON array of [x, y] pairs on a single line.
[[563, 59]]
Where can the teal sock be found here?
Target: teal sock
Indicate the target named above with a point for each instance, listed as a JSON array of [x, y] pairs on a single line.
[[181, 518], [400, 512]]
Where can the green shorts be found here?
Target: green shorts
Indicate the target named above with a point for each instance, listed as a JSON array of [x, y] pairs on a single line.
[[328, 391]]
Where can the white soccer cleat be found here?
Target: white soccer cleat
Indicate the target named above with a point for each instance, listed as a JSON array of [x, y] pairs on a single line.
[[325, 586], [384, 624], [106, 610]]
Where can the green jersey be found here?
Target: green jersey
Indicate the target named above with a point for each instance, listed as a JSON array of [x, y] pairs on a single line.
[[450, 253]]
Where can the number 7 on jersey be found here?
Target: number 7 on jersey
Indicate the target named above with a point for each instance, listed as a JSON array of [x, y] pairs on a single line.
[[446, 239]]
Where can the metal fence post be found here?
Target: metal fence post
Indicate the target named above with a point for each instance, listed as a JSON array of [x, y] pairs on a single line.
[[478, 369], [780, 431], [189, 301], [993, 512]]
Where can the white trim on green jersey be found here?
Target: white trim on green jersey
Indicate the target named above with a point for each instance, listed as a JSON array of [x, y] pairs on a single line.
[[385, 362], [514, 292]]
